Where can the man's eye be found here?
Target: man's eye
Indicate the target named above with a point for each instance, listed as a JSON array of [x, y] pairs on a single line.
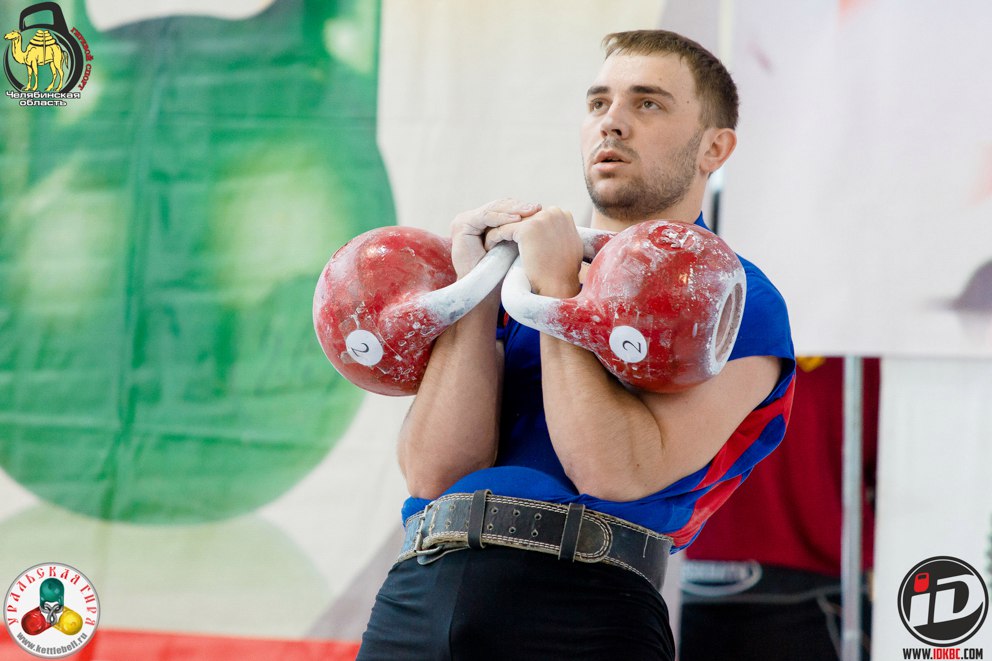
[[648, 104], [597, 104]]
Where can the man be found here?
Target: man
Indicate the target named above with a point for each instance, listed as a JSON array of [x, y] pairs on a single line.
[[527, 444]]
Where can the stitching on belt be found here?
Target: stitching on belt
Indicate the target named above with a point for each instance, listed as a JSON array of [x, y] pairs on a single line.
[[533, 504], [604, 547], [633, 526], [523, 543], [624, 565]]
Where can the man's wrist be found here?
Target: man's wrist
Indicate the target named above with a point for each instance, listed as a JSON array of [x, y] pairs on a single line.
[[563, 289]]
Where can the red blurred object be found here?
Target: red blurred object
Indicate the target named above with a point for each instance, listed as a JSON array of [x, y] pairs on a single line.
[[117, 645]]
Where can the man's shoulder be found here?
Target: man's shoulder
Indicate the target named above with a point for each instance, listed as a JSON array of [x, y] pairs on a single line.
[[765, 328], [762, 295], [759, 282]]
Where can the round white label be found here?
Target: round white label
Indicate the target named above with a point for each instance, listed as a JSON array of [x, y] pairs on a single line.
[[628, 344], [364, 347], [51, 610]]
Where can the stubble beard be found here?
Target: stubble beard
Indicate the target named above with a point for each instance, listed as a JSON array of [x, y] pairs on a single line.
[[639, 199]]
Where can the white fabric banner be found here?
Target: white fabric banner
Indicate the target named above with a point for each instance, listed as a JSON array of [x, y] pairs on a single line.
[[480, 101], [863, 179]]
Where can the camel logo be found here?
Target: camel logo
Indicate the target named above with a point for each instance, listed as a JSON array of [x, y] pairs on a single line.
[[44, 50]]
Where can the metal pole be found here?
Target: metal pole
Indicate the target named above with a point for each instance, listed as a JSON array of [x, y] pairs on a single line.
[[850, 579]]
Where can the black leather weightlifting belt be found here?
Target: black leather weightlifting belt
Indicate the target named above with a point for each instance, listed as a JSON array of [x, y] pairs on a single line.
[[571, 532]]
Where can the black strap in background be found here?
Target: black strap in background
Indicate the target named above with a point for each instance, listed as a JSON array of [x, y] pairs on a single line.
[[714, 219]]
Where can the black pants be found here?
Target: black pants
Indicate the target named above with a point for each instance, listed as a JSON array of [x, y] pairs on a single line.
[[787, 615], [513, 605]]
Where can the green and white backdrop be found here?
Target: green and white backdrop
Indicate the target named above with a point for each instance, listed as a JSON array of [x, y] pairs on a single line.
[[168, 423]]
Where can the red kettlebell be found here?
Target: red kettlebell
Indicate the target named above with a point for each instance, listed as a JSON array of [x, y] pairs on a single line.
[[660, 308], [386, 295]]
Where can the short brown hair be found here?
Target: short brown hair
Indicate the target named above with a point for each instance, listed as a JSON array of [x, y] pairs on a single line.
[[716, 89]]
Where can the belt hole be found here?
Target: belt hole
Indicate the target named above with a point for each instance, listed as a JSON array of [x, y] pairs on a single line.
[[494, 510], [516, 512], [533, 533], [537, 517], [489, 527], [512, 530], [447, 524]]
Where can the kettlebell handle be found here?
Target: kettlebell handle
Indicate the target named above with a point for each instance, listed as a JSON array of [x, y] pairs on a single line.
[[451, 303], [525, 306], [660, 308]]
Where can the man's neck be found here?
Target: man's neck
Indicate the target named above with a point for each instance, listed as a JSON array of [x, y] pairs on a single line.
[[603, 222]]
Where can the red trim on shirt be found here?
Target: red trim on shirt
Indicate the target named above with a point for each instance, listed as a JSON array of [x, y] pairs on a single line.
[[704, 508], [746, 434]]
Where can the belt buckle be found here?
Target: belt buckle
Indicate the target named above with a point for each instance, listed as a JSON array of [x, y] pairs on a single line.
[[429, 555], [424, 555]]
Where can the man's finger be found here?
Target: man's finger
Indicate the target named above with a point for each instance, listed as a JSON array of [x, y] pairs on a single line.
[[493, 237], [512, 205], [502, 233], [496, 219]]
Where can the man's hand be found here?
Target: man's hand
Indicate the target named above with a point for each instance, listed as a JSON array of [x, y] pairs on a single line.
[[469, 228], [550, 248]]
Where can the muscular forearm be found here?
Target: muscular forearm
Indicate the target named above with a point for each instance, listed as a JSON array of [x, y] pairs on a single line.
[[620, 444], [452, 427], [607, 440]]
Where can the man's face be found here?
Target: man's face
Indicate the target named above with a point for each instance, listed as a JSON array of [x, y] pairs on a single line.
[[641, 136]]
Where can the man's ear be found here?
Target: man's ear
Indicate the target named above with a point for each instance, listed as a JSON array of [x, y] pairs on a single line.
[[716, 147]]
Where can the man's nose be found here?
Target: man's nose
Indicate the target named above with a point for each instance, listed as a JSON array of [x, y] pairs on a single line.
[[615, 124]]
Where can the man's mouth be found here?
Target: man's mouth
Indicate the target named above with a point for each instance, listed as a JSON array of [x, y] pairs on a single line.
[[609, 156]]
